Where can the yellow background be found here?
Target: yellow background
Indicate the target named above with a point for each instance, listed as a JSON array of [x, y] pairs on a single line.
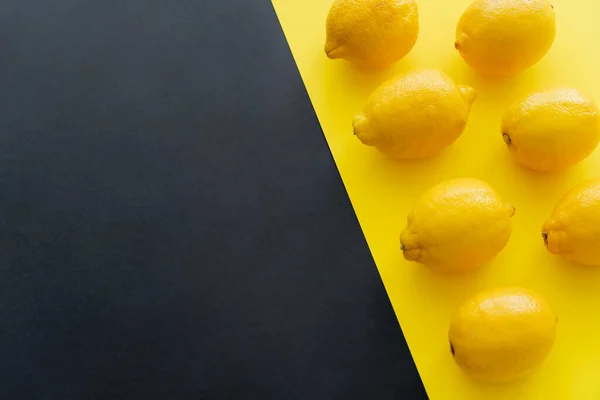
[[382, 192]]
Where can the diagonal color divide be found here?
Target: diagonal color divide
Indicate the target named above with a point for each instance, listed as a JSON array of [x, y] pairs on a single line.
[[382, 192]]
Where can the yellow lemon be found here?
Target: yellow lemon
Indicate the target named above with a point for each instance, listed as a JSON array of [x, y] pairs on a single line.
[[573, 229], [504, 37], [502, 335], [371, 33], [551, 130], [457, 225], [416, 115]]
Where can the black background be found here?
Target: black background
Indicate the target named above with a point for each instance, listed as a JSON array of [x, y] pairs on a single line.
[[172, 224]]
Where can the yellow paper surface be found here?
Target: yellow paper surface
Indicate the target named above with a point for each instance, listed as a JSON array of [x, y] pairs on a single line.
[[382, 192]]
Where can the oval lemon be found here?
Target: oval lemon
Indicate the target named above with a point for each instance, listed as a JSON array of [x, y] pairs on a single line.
[[503, 37], [416, 115], [503, 334], [457, 225], [371, 33], [573, 229], [552, 129]]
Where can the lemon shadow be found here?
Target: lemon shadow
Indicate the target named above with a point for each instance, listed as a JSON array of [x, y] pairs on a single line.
[[450, 289], [498, 91], [577, 277], [502, 91], [417, 174], [358, 82], [533, 184]]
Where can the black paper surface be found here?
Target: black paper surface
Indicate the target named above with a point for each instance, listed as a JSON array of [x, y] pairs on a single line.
[[172, 224]]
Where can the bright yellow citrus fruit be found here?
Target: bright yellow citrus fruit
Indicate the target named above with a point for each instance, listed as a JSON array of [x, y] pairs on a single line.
[[552, 130], [371, 33], [503, 334], [458, 225], [504, 37], [415, 116], [573, 229]]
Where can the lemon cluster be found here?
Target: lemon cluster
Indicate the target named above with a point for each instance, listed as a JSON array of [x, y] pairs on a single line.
[[460, 225]]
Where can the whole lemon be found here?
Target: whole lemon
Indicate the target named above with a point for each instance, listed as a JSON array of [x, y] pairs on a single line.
[[371, 33], [573, 229], [504, 37], [551, 130], [503, 334], [457, 225], [416, 115]]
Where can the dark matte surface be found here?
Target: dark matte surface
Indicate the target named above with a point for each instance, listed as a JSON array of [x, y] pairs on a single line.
[[172, 224]]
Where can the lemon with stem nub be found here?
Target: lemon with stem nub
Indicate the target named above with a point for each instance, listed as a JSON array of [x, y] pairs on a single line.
[[552, 129], [573, 229], [504, 37], [457, 225], [502, 335], [371, 33], [416, 115]]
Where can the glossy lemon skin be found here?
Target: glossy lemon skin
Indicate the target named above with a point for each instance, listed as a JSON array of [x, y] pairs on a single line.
[[573, 229], [458, 225], [503, 334], [504, 37], [416, 115], [371, 33], [552, 130]]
